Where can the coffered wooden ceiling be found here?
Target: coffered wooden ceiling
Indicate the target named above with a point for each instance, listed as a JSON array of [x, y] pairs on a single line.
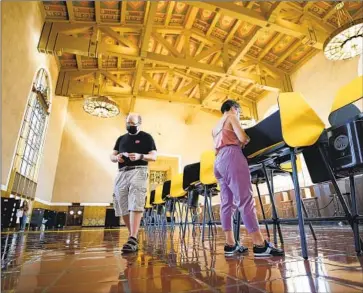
[[198, 53]]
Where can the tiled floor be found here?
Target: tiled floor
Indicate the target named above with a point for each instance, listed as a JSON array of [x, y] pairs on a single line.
[[89, 261]]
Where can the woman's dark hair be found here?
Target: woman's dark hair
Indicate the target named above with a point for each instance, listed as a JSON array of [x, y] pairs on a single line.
[[227, 105]]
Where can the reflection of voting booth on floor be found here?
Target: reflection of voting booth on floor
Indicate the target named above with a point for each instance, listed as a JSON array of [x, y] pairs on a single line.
[[9, 207]]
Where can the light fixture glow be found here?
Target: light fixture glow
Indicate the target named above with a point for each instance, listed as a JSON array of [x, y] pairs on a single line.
[[71, 212], [79, 212], [347, 41], [101, 106]]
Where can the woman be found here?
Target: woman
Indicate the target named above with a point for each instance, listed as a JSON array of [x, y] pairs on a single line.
[[25, 209], [232, 172]]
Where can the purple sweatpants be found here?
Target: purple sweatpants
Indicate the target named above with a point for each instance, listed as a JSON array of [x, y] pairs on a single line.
[[233, 175]]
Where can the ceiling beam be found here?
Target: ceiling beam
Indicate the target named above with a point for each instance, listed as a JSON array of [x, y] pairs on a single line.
[[330, 12], [358, 14], [286, 54], [237, 96], [249, 4], [233, 30], [208, 52], [213, 24], [184, 63], [70, 11], [253, 17], [186, 47], [213, 89], [225, 57], [79, 62], [230, 9], [193, 92], [123, 12], [230, 66], [115, 80], [233, 86], [273, 12], [249, 89], [81, 46], [269, 46], [148, 28], [191, 17], [188, 87], [153, 96], [169, 97], [143, 51], [117, 37], [238, 57], [119, 63], [99, 61], [98, 11], [166, 45], [154, 83], [169, 12], [170, 80]]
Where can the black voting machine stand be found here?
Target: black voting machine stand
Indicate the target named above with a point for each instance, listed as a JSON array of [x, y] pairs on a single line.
[[339, 154], [54, 220], [268, 135], [111, 219]]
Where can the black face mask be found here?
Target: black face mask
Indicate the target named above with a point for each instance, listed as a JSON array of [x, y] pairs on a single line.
[[131, 129]]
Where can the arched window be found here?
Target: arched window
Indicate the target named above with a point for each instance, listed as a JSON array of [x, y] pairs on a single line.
[[32, 134]]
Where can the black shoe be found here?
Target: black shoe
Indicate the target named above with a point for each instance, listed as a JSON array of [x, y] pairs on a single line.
[[267, 250], [241, 248], [237, 248], [229, 250]]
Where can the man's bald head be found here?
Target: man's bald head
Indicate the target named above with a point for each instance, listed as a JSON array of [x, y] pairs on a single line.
[[133, 118]]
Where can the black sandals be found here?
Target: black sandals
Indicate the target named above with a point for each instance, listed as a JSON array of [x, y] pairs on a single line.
[[131, 245]]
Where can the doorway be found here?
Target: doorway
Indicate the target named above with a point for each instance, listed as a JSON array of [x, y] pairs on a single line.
[[75, 216]]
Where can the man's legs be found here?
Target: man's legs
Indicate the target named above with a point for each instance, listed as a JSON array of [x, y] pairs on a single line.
[[136, 204], [126, 219], [135, 220], [120, 198]]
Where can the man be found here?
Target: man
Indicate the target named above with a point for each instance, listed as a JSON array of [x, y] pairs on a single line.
[[132, 152]]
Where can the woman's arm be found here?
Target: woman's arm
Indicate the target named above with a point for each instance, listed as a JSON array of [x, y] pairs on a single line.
[[237, 128]]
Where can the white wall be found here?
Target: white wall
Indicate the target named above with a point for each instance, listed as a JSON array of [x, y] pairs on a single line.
[[52, 143], [85, 173]]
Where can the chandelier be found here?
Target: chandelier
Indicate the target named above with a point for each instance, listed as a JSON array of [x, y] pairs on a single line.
[[101, 106], [346, 41]]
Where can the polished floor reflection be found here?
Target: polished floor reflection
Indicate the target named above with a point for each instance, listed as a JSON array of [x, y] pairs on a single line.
[[89, 261]]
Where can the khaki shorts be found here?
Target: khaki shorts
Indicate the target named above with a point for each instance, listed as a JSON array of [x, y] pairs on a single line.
[[130, 191]]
